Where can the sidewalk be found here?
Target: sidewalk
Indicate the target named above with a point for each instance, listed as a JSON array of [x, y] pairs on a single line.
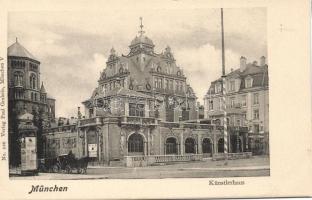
[[59, 176], [256, 166]]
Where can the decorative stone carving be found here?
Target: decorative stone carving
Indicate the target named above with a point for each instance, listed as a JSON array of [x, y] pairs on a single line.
[[122, 142]]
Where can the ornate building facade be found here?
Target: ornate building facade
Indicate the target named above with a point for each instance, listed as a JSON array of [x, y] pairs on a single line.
[[142, 111], [26, 95], [142, 73], [247, 102]]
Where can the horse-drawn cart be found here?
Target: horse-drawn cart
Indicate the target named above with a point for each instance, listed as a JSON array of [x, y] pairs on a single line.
[[64, 163]]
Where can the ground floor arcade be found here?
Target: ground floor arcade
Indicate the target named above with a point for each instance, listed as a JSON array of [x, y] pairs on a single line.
[[111, 140]]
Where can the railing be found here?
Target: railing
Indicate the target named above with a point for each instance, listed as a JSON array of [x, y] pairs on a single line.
[[235, 105], [206, 126], [63, 128], [90, 121], [142, 121], [238, 128], [170, 124], [231, 156], [142, 161], [190, 125]]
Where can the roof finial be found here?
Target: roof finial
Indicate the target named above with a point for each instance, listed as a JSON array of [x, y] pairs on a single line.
[[141, 26], [16, 39]]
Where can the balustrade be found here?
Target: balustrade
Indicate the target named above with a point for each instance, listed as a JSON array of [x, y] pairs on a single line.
[[139, 161]]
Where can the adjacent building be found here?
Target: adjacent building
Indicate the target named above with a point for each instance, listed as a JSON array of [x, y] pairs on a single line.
[[26, 94], [247, 102]]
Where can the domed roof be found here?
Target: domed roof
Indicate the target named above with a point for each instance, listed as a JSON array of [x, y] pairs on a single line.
[[18, 50], [142, 39]]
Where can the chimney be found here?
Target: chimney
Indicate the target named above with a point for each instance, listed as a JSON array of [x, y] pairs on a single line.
[[262, 61], [255, 63], [243, 61], [79, 113]]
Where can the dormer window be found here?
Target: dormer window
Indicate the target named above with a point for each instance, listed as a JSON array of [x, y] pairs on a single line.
[[218, 88], [232, 85], [248, 82]]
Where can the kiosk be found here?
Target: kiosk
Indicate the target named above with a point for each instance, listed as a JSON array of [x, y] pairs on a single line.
[[28, 140]]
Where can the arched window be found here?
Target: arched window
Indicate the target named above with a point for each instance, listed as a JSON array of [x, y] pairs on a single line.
[[135, 143], [18, 79], [190, 145], [207, 146], [33, 81], [221, 145], [171, 146]]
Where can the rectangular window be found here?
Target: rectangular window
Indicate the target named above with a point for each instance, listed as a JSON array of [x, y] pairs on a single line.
[[248, 83], [244, 100], [256, 128], [90, 112], [218, 87], [232, 85], [171, 84], [166, 84], [136, 110], [131, 109], [256, 98], [232, 100], [160, 83], [220, 104], [156, 83], [256, 114], [211, 104]]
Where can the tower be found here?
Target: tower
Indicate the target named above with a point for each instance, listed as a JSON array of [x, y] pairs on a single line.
[[25, 96]]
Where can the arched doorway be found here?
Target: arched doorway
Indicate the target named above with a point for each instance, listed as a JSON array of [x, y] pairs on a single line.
[[135, 144], [190, 145], [207, 146], [221, 145], [236, 144], [171, 146]]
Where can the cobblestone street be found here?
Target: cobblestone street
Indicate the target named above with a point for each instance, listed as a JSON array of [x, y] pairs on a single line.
[[256, 166]]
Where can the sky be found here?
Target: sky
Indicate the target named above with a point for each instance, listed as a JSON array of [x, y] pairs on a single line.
[[73, 47]]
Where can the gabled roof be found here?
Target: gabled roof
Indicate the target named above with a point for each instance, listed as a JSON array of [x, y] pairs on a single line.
[[18, 50], [259, 75]]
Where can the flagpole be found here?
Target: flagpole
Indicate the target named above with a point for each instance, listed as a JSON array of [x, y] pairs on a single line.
[[224, 91]]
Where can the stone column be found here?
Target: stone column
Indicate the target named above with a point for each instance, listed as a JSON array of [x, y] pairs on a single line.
[[237, 143], [199, 144], [148, 142], [229, 143], [181, 144], [146, 109], [86, 143], [145, 148], [99, 145], [127, 107], [215, 142]]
